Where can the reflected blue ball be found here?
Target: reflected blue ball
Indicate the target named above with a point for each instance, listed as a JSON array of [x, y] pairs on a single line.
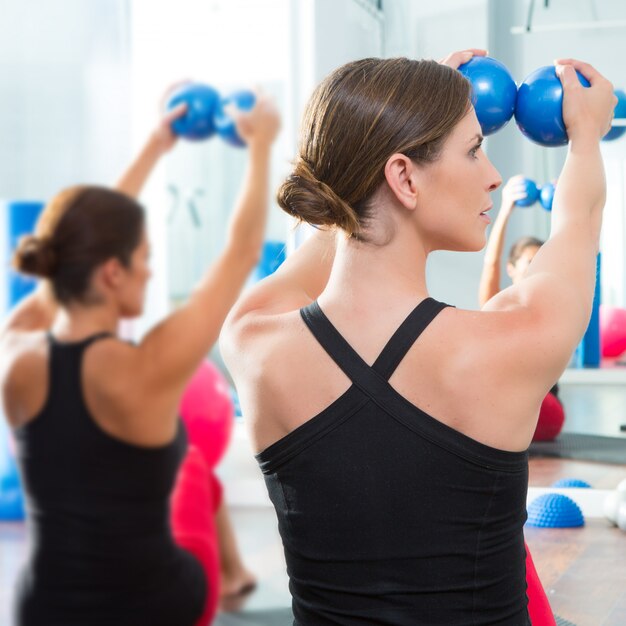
[[201, 100], [225, 124], [532, 194], [546, 195]]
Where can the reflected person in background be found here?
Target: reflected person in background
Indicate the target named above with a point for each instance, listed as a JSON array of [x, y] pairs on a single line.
[[99, 442]]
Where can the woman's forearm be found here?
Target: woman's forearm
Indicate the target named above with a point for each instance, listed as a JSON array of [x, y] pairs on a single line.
[[134, 178], [581, 192], [490, 277], [246, 229]]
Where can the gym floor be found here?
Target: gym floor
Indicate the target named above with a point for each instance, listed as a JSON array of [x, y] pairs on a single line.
[[582, 569]]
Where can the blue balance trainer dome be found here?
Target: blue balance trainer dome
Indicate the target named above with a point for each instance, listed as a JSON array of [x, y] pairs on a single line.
[[553, 510], [572, 482]]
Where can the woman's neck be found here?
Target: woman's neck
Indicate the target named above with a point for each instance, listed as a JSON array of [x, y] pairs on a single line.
[[75, 322], [391, 272]]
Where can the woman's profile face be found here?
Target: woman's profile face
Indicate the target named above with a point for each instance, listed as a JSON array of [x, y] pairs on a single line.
[[454, 195]]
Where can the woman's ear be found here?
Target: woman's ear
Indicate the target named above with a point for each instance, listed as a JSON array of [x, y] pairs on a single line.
[[112, 273], [402, 176], [510, 269]]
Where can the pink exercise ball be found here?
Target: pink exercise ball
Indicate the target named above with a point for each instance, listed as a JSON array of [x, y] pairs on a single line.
[[612, 330], [551, 419], [208, 412]]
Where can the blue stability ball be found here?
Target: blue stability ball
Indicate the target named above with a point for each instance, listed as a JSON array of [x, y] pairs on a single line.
[[494, 92], [224, 124], [532, 194], [554, 510], [546, 195], [572, 482], [201, 100], [620, 113], [539, 107]]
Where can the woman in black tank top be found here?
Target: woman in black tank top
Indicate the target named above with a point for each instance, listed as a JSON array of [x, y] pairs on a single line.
[[99, 442], [391, 429]]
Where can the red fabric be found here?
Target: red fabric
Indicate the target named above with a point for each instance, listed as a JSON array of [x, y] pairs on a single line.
[[551, 418], [538, 605], [207, 410], [195, 500]]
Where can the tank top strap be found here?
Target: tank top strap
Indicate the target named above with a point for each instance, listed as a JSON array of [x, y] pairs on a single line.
[[341, 352], [65, 360], [82, 343], [64, 377], [407, 334]]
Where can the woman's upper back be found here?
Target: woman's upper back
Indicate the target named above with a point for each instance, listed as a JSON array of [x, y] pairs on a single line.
[[462, 370], [64, 436], [113, 385], [389, 515]]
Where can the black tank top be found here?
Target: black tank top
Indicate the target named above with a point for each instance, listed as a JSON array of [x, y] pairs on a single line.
[[388, 516], [101, 550]]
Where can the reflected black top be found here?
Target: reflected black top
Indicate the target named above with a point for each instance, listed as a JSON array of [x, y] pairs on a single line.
[[389, 516], [98, 511]]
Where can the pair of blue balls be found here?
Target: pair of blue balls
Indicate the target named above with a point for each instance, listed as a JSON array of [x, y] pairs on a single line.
[[545, 195], [206, 113], [537, 104]]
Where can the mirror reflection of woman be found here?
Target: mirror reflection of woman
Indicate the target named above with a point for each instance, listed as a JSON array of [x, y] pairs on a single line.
[[99, 441]]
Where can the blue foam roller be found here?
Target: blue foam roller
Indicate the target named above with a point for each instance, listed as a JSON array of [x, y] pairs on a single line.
[[589, 353], [572, 482], [554, 510], [21, 217]]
